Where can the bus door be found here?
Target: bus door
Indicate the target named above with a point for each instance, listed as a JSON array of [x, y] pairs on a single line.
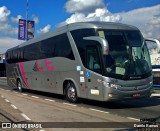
[[93, 73]]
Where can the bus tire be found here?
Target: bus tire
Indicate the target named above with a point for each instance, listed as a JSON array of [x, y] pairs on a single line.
[[71, 93], [19, 86]]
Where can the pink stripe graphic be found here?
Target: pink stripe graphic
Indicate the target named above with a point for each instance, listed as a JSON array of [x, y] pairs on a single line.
[[49, 67], [39, 67], [23, 74]]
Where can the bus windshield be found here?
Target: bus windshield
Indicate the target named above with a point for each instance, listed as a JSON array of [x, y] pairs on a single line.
[[128, 56]]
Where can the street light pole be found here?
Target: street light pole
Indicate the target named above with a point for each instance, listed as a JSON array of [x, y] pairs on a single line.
[[26, 19]]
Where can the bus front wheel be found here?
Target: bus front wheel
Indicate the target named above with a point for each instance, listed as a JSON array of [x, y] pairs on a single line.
[[19, 85], [71, 93]]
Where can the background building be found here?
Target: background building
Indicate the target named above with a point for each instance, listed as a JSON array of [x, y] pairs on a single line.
[[2, 58], [2, 65]]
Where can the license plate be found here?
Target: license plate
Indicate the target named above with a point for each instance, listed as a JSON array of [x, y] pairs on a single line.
[[136, 95]]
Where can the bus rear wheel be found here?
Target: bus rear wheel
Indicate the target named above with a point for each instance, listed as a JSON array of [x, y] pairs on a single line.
[[71, 93], [19, 86]]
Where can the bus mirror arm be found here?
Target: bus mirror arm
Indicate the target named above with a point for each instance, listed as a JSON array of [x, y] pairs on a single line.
[[157, 42], [102, 41]]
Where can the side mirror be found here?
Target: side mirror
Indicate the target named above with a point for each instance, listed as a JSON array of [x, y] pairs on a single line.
[[155, 41], [102, 41]]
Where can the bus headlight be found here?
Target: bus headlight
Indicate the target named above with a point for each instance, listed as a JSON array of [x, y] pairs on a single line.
[[150, 83], [115, 86], [109, 85]]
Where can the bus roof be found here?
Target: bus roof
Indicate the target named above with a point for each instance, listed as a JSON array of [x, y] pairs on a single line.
[[78, 25], [103, 25]]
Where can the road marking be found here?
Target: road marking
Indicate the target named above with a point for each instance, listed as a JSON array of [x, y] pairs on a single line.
[[133, 118], [24, 94], [35, 97], [26, 117], [98, 110], [155, 95], [6, 100], [15, 92], [14, 106], [2, 96], [49, 100], [69, 104]]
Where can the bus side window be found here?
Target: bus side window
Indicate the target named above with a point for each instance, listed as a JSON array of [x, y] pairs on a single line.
[[63, 47]]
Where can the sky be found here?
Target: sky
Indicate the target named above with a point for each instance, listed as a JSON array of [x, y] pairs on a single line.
[[51, 14]]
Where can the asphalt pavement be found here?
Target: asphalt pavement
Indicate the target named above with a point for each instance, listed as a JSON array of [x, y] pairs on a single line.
[[53, 110]]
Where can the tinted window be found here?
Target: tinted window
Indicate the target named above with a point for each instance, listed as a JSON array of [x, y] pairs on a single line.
[[57, 46], [63, 47], [12, 56], [48, 47], [20, 54], [15, 55], [80, 43], [31, 52]]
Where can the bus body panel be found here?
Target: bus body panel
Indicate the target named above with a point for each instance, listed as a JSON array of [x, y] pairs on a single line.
[[94, 85]]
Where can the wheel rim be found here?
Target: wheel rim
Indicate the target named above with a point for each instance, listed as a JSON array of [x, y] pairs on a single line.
[[71, 93]]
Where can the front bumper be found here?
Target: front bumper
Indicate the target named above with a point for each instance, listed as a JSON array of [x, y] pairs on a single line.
[[114, 94]]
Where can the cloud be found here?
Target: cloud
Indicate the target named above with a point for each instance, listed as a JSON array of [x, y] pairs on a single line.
[[16, 19], [92, 10], [45, 29], [100, 14], [8, 42], [35, 19], [5, 27], [147, 19], [72, 6], [4, 13], [8, 29], [8, 33], [152, 27]]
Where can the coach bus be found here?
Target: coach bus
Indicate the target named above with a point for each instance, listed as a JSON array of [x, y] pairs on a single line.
[[92, 60]]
